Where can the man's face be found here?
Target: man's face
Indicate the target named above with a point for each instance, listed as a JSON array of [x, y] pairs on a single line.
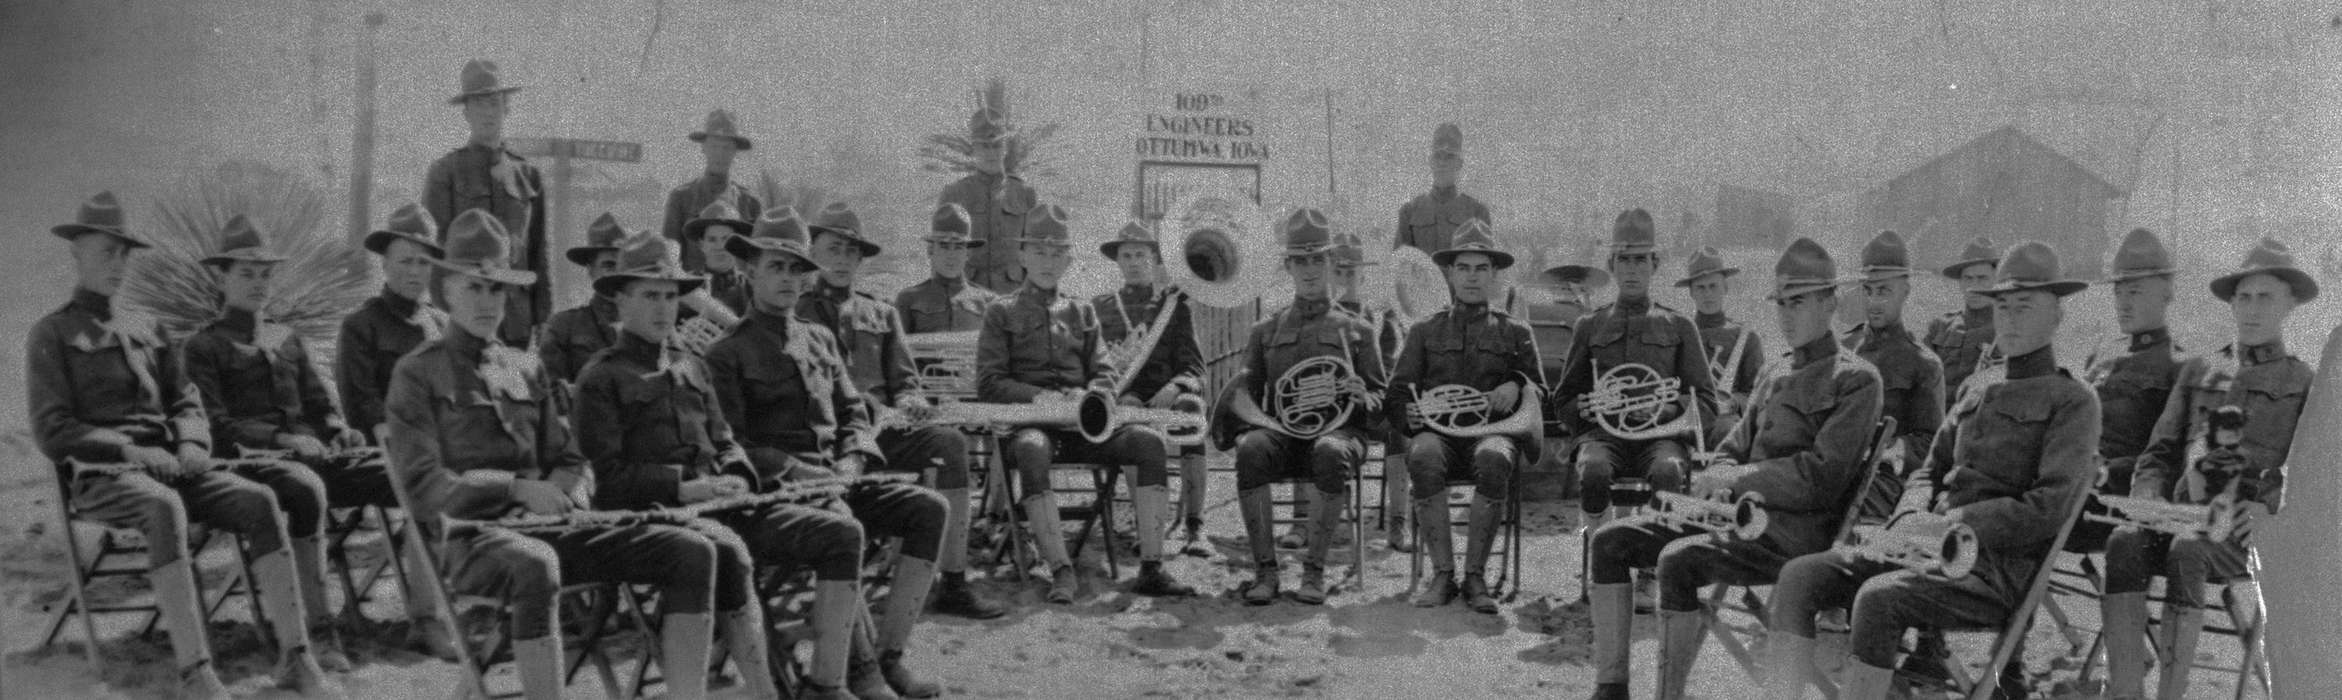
[[711, 245], [1707, 293], [2025, 321], [991, 157], [1137, 263], [1044, 263], [485, 114], [1310, 274], [2260, 305], [839, 258], [1633, 271], [1470, 277], [1975, 277], [1346, 279], [245, 284], [947, 259], [777, 279], [718, 151], [473, 303], [1882, 301], [406, 268], [1445, 164], [1806, 317], [605, 262], [99, 260], [646, 308], [2139, 304]]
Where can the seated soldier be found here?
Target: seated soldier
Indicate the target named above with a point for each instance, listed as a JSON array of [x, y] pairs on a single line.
[[1801, 451], [1173, 369], [1350, 265], [574, 334], [132, 445], [475, 434], [945, 302], [711, 232], [1040, 346]]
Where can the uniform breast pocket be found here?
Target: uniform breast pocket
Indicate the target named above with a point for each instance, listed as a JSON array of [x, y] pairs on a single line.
[[927, 315], [474, 190], [640, 399], [1423, 219], [2012, 425], [1804, 412]]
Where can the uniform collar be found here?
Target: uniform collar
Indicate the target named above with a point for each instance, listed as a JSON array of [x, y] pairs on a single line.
[[1310, 308], [1976, 317], [1468, 312], [1710, 320], [1035, 293], [715, 178], [637, 348], [463, 344], [1821, 348], [92, 303], [397, 304], [951, 285], [1443, 193], [1138, 291], [2143, 340], [603, 307], [2271, 351], [833, 292], [2037, 363], [780, 321], [238, 320], [1633, 306]]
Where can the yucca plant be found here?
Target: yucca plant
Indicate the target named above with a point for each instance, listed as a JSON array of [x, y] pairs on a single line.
[[775, 191], [322, 280], [952, 154]]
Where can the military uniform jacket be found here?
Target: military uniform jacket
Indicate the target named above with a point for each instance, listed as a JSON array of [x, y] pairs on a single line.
[[943, 305], [371, 341], [1429, 221], [648, 419], [1124, 314], [461, 404], [1913, 380], [2010, 460], [781, 384], [1733, 365], [1307, 329], [1477, 346], [2267, 381], [1806, 435], [1959, 339], [1389, 334], [1556, 327], [2133, 381], [505, 184], [575, 334], [257, 382], [996, 206], [1639, 331], [729, 288], [872, 337], [98, 381], [1037, 341], [685, 202]]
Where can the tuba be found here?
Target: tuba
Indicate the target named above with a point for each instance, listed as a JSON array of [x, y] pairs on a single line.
[[1310, 399], [1742, 518], [1924, 542], [2212, 522], [713, 321], [1626, 400]]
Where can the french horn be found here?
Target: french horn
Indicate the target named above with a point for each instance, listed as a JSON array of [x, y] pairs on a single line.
[[1459, 411], [1310, 399], [1927, 543], [1627, 399]]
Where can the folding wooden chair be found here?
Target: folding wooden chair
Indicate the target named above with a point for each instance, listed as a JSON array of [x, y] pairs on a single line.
[[2010, 636], [1506, 547], [358, 587], [2240, 616], [113, 543], [1354, 511]]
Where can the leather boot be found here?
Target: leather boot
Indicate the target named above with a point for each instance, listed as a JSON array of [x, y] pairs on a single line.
[[182, 612], [280, 595], [1865, 682], [428, 630], [1262, 589], [2181, 628], [1680, 634], [953, 596], [742, 632], [683, 653], [865, 680], [539, 664], [900, 678], [325, 641], [1788, 666], [2126, 644], [1612, 607]]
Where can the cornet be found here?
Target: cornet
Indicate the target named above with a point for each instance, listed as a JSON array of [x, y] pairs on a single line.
[[1742, 518], [2180, 520], [1627, 399], [1924, 542], [713, 322]]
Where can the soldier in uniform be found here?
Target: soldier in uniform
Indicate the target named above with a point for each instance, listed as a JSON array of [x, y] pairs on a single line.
[[713, 229], [2133, 380], [945, 302], [371, 340], [1963, 339], [1555, 320], [1478, 346], [2259, 375], [1041, 346], [720, 140], [475, 433], [997, 202], [1802, 450], [129, 438], [485, 175], [1734, 352], [1311, 327], [576, 334], [262, 392], [879, 363], [1173, 368], [1350, 265], [2015, 452], [1430, 220], [1913, 377]]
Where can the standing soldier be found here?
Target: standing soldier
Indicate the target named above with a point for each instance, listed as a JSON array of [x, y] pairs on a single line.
[[945, 302], [1041, 346], [713, 229], [1963, 339], [1430, 220], [2014, 453], [1306, 331], [576, 334], [2259, 375], [1913, 377], [1350, 265], [1173, 368], [1484, 349], [879, 363], [997, 202], [719, 142], [2134, 380], [128, 436], [1801, 450], [487, 176], [1734, 353], [369, 345]]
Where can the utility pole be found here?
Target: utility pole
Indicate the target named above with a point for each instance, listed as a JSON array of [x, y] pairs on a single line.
[[362, 137]]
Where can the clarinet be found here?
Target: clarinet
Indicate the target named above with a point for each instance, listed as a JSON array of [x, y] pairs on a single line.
[[808, 491]]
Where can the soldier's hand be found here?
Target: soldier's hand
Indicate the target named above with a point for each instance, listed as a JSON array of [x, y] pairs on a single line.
[[193, 459], [1578, 405], [157, 462], [348, 439], [1164, 397], [917, 408], [849, 465], [2247, 515], [1129, 401], [695, 490], [302, 446], [1503, 399], [540, 497]]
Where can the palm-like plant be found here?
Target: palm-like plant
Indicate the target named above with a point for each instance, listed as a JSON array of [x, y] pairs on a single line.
[[953, 154], [322, 279]]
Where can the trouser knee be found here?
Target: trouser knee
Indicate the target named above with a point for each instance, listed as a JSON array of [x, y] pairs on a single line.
[[834, 544], [1256, 460], [2185, 571], [1147, 452], [162, 521], [1427, 467], [951, 460], [917, 515], [1798, 593], [1330, 461], [253, 510], [299, 492], [1029, 452], [735, 565], [1492, 469], [1610, 554], [1669, 466], [530, 578], [687, 577], [1879, 619], [1685, 567], [2127, 565], [1597, 465]]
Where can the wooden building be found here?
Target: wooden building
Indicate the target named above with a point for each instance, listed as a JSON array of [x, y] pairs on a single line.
[[2004, 185]]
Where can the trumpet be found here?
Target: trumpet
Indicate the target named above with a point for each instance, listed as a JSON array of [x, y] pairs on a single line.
[[1459, 411], [1924, 542], [2180, 520], [713, 322], [1627, 398], [1742, 518]]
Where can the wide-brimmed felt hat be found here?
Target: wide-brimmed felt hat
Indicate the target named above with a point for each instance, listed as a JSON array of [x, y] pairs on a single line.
[[1133, 231], [1350, 251], [101, 213], [1633, 232], [715, 213], [604, 234], [838, 218], [2029, 266], [1306, 232], [410, 223], [1885, 257], [1047, 224], [1573, 273], [1447, 138], [240, 241], [1473, 237], [779, 229], [1979, 252], [2141, 255], [720, 124], [476, 246], [988, 125], [1805, 266], [479, 78], [2270, 257], [648, 256], [1703, 262], [951, 224]]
